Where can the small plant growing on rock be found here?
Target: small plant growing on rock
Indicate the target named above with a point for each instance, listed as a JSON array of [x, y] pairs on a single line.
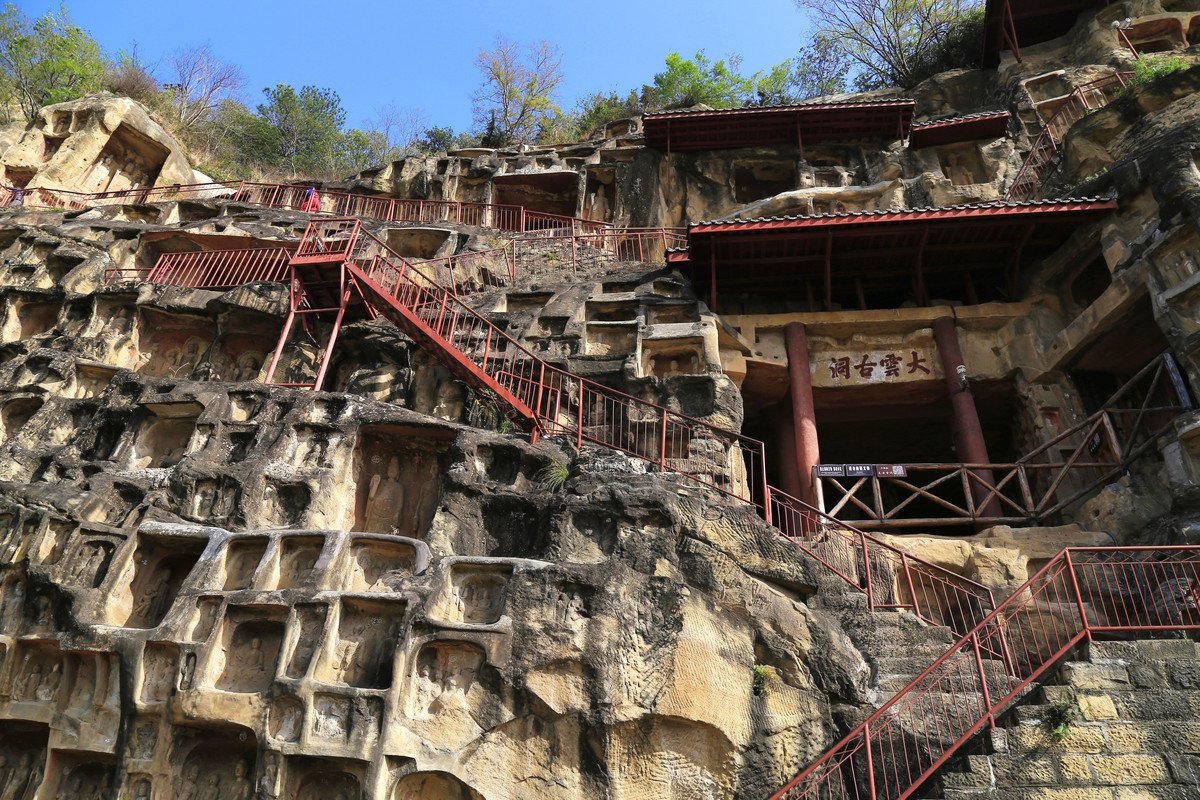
[[1061, 715], [553, 476], [1149, 68], [764, 676]]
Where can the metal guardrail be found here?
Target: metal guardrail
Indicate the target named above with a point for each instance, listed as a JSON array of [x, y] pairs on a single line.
[[1043, 157], [1082, 592], [551, 400], [1035, 487], [210, 269]]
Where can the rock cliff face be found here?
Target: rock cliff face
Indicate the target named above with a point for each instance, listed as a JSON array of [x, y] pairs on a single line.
[[213, 586]]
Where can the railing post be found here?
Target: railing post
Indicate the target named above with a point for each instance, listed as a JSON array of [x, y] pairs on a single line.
[[579, 437], [870, 760], [537, 408], [870, 587], [521, 227], [662, 442], [912, 589], [1078, 595], [983, 684]]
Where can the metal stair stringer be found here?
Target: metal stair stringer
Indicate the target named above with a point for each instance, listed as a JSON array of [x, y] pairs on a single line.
[[431, 339]]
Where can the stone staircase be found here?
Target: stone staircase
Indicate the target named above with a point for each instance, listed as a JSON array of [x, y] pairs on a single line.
[[1136, 736]]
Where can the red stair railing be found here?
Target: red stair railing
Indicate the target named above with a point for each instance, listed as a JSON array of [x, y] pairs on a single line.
[[1082, 592], [553, 400]]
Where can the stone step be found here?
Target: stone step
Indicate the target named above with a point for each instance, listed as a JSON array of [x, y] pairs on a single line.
[[1142, 650]]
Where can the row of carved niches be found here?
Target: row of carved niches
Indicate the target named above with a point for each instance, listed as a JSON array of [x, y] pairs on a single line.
[[317, 560], [32, 261], [75, 693]]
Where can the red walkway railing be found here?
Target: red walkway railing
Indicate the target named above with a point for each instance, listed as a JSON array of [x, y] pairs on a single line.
[[317, 201], [211, 269], [550, 400], [1080, 593], [1047, 148]]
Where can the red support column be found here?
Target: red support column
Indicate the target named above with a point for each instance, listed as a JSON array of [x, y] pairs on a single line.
[[785, 434], [968, 433], [804, 415]]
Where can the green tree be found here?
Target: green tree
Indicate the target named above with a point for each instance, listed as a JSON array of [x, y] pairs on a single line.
[[600, 109], [47, 61], [518, 91], [689, 82], [438, 140], [899, 42], [357, 150], [307, 127], [821, 68]]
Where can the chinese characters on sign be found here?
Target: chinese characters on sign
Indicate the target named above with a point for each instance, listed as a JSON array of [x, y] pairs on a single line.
[[891, 365]]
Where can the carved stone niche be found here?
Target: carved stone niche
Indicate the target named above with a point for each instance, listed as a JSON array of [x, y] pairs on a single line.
[[962, 165], [210, 499], [250, 643], [91, 557], [285, 504], [666, 358], [80, 777], [285, 720], [379, 565], [398, 477], [172, 345], [245, 406], [28, 317], [56, 538], [243, 349], [331, 717], [475, 593], [242, 557], [311, 444], [442, 677], [298, 557], [162, 436], [433, 786], [22, 759], [204, 619], [755, 179], [213, 763], [159, 668], [112, 320], [12, 604], [305, 630], [158, 569], [15, 414], [38, 675], [323, 779], [363, 649], [419, 242], [91, 379], [672, 313]]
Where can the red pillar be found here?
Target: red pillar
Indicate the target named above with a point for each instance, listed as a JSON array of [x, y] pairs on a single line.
[[804, 415], [968, 433], [785, 434]]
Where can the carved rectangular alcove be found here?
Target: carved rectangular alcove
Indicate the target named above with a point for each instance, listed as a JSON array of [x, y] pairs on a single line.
[[420, 242], [666, 358], [204, 619], [443, 675], [150, 581], [215, 761], [81, 775], [91, 555], [962, 165], [171, 345], [29, 316], [55, 538], [160, 663], [516, 302], [307, 778], [363, 648], [672, 313], [1157, 35], [296, 566], [611, 311], [475, 594], [15, 414], [242, 557], [398, 478], [610, 338], [755, 179], [379, 565], [305, 632], [244, 345], [37, 676], [129, 160], [23, 747], [92, 378], [248, 649], [162, 436]]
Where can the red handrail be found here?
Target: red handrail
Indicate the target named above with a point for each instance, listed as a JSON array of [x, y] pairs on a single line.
[[555, 401], [1080, 592]]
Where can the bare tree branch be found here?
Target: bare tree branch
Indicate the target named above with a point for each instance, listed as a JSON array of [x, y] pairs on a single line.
[[202, 82]]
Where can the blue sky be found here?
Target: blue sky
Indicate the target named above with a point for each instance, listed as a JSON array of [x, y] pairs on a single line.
[[422, 55]]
